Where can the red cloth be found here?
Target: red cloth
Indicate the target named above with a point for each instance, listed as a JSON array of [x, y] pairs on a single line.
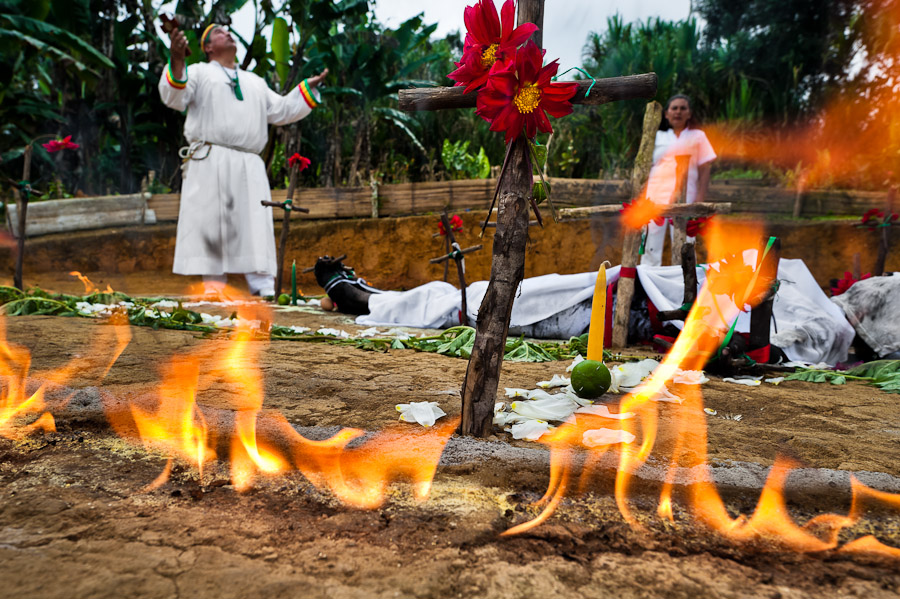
[[627, 272]]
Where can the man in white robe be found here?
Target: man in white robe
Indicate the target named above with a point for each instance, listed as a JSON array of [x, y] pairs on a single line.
[[222, 227]]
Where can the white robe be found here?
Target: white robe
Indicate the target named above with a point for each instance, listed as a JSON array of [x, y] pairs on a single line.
[[222, 228]]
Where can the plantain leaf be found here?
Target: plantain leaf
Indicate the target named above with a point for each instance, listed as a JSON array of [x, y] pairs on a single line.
[[281, 50]]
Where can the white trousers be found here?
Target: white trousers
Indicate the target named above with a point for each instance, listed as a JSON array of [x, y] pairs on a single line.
[[656, 240], [259, 283]]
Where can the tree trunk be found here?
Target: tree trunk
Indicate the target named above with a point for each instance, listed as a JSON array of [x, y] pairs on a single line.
[[479, 390], [353, 175]]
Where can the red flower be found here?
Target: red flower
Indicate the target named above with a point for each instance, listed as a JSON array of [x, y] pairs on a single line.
[[55, 145], [639, 212], [489, 40], [697, 226], [846, 283], [518, 93], [456, 225], [302, 161]]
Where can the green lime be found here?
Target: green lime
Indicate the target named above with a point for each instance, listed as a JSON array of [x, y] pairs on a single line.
[[284, 299], [590, 379]]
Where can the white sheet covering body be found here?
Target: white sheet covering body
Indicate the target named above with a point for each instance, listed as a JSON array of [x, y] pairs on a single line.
[[550, 306], [222, 228], [873, 308], [806, 324]]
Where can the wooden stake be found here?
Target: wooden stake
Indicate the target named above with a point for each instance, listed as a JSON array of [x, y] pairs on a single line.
[[632, 243], [884, 244], [679, 223], [22, 206]]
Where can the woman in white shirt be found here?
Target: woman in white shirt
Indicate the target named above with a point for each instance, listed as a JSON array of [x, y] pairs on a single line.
[[680, 138]]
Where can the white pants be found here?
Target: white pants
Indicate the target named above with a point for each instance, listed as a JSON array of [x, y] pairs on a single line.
[[259, 284], [656, 239]]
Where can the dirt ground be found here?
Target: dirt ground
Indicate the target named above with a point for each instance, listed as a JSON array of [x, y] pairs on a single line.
[[75, 522]]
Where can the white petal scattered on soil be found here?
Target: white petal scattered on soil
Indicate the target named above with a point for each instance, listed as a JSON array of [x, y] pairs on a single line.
[[530, 430], [605, 436], [333, 333], [776, 380], [630, 374], [510, 392], [557, 407], [555, 381], [578, 358], [370, 332], [423, 412], [689, 377], [746, 382], [710, 411]]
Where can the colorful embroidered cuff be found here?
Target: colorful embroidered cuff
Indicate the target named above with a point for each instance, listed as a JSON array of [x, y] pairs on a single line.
[[170, 77], [307, 94]]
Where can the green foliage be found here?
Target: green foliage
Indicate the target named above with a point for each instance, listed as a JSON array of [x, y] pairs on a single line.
[[884, 374], [461, 164], [817, 376], [739, 173]]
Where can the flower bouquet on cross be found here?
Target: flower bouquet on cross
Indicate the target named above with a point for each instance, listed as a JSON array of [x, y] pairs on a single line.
[[516, 90]]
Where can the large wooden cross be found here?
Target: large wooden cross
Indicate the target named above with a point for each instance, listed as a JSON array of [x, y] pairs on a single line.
[[479, 390]]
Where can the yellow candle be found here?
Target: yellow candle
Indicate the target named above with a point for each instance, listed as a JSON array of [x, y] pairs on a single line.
[[598, 318]]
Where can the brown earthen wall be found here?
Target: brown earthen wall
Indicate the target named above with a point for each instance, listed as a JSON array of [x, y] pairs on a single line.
[[393, 253]]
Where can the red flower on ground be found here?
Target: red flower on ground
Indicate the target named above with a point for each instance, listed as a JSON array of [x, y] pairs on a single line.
[[639, 212], [302, 161], [846, 283], [518, 94], [697, 226], [55, 145], [489, 40], [456, 225]]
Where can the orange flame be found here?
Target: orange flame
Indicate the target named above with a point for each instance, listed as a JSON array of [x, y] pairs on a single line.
[[15, 361], [356, 469], [737, 282]]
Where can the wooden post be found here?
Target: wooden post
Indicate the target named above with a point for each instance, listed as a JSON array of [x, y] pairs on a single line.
[[679, 223], [689, 274], [22, 205], [761, 314], [798, 198], [642, 164], [885, 241], [479, 390]]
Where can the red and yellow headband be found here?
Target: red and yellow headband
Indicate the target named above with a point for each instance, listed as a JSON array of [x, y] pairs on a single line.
[[206, 33]]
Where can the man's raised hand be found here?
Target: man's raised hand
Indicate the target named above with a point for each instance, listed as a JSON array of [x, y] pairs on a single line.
[[315, 81], [178, 49]]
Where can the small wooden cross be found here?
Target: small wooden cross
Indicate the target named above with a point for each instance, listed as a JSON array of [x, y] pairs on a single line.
[[288, 206], [479, 390], [457, 255]]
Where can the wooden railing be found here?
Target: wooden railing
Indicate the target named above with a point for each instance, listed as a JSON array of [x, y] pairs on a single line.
[[419, 198]]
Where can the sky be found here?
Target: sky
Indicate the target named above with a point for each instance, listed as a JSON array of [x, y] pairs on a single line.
[[566, 22]]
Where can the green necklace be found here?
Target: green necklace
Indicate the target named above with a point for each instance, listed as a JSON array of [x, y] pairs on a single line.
[[235, 82]]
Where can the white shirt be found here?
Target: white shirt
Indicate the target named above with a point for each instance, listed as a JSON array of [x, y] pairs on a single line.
[[661, 184]]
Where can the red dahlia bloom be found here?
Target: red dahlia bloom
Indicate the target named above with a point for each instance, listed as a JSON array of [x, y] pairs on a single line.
[[456, 225], [55, 145], [489, 40], [518, 93], [846, 283], [697, 226], [302, 161]]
